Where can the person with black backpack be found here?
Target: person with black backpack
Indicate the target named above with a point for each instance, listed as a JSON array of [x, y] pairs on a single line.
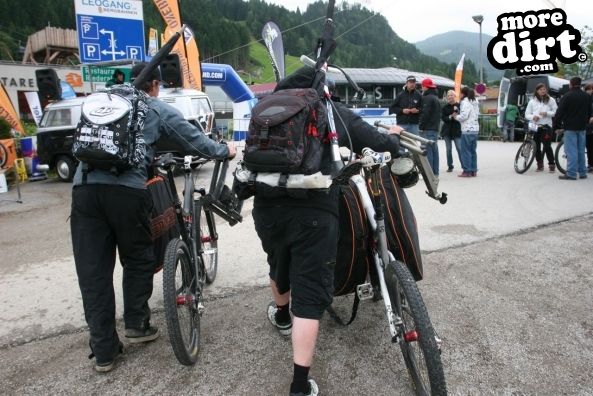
[[300, 234], [111, 208]]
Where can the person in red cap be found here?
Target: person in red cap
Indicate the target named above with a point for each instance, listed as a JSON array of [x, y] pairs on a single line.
[[430, 120]]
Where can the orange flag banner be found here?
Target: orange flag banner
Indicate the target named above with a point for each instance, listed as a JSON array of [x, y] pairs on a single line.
[[189, 57], [458, 75], [8, 113]]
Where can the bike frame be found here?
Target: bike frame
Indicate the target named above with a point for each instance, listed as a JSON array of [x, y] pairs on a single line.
[[381, 254]]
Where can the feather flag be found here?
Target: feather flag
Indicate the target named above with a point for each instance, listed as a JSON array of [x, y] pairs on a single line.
[[272, 36], [7, 111], [187, 49], [458, 75]]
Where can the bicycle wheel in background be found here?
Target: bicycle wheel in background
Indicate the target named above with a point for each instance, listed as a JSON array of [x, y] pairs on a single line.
[[182, 297], [208, 240], [525, 156], [560, 157], [417, 337]]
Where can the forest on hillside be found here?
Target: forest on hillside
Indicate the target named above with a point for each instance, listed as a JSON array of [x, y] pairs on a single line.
[[224, 28]]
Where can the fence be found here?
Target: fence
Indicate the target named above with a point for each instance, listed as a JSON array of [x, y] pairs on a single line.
[[488, 128]]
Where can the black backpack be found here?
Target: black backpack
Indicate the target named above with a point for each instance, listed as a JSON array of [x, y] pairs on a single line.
[[286, 133], [109, 134]]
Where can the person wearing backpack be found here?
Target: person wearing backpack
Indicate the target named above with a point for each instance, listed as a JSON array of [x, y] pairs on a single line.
[[111, 210], [300, 237]]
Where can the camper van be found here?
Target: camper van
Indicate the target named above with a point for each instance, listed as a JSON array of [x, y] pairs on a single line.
[[519, 90], [56, 130]]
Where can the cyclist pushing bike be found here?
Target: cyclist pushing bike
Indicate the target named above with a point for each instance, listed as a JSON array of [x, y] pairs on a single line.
[[111, 209]]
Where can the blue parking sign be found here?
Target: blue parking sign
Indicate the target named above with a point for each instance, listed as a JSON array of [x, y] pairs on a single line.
[[110, 30]]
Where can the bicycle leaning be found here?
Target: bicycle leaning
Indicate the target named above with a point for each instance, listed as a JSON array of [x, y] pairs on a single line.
[[191, 258], [526, 153]]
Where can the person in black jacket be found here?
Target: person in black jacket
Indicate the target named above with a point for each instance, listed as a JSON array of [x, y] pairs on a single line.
[[451, 129], [407, 107], [574, 113], [429, 122], [300, 238]]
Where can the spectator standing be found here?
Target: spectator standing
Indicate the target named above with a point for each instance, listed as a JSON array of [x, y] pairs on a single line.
[[540, 110], [407, 107], [111, 211], [468, 118], [429, 122], [451, 129], [118, 77], [589, 132], [574, 113], [508, 128]]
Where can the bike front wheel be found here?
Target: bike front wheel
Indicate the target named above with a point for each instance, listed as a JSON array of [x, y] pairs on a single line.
[[208, 242], [182, 300], [560, 157], [416, 337], [525, 156]]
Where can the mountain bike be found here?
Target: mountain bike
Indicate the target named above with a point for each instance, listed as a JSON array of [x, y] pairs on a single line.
[[191, 259], [408, 321]]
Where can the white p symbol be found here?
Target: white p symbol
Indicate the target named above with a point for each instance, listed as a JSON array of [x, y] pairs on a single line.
[[134, 53], [86, 27], [90, 51]]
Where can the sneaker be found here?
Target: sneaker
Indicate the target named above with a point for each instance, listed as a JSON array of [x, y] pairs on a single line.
[[474, 174], [285, 329], [552, 168], [105, 367], [465, 174], [136, 336], [564, 177], [313, 390], [583, 176], [450, 169]]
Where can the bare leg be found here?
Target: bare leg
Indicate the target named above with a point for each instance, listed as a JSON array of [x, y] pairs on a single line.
[[279, 299], [304, 337]]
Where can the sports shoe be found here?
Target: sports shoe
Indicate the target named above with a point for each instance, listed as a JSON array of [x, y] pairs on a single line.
[[552, 168], [104, 367], [474, 174], [450, 169], [564, 177], [465, 174], [313, 390], [285, 329], [583, 176], [136, 336]]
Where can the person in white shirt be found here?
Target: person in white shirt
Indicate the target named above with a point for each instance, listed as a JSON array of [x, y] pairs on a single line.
[[470, 127], [540, 110]]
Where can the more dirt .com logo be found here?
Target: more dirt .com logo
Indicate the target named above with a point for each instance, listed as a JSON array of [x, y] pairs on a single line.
[[531, 42]]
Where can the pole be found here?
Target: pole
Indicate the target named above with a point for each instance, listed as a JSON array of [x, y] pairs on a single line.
[[481, 64]]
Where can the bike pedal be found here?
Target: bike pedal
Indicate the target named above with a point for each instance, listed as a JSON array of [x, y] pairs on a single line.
[[201, 308], [365, 291]]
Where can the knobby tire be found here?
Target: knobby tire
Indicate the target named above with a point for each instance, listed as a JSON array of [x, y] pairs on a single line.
[[181, 295], [422, 357]]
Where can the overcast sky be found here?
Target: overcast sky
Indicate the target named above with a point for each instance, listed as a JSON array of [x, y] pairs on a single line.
[[429, 17]]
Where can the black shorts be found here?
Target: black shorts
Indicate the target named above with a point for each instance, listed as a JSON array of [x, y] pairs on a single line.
[[301, 245]]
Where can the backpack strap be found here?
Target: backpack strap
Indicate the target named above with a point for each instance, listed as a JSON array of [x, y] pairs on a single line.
[[334, 315], [283, 180], [85, 172]]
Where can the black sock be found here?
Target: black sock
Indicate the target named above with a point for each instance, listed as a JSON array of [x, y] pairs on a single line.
[[300, 380], [282, 314]]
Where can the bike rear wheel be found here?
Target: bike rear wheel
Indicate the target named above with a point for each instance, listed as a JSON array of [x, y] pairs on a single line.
[[182, 299], [525, 156], [416, 336], [208, 240], [560, 157]]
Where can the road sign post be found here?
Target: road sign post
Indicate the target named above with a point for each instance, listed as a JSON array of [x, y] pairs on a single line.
[[110, 30]]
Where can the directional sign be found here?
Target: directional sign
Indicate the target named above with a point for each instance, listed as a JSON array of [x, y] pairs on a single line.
[[110, 30]]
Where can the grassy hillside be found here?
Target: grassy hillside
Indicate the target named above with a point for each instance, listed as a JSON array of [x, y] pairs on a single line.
[[260, 66]]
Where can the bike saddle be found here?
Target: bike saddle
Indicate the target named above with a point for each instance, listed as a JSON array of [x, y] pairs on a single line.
[[347, 172]]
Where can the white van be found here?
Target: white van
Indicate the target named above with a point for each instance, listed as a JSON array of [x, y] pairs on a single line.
[[59, 120]]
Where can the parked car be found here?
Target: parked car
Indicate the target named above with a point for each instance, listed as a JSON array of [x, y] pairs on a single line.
[[56, 130]]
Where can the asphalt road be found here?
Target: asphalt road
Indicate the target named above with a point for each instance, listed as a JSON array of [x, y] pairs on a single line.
[[508, 285]]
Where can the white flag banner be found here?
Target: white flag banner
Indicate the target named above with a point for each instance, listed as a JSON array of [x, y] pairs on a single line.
[[35, 106]]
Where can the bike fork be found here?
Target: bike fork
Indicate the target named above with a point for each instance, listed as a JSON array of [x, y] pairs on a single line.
[[394, 320]]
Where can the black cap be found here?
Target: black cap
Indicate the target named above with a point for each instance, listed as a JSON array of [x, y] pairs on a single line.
[[411, 78], [137, 69]]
